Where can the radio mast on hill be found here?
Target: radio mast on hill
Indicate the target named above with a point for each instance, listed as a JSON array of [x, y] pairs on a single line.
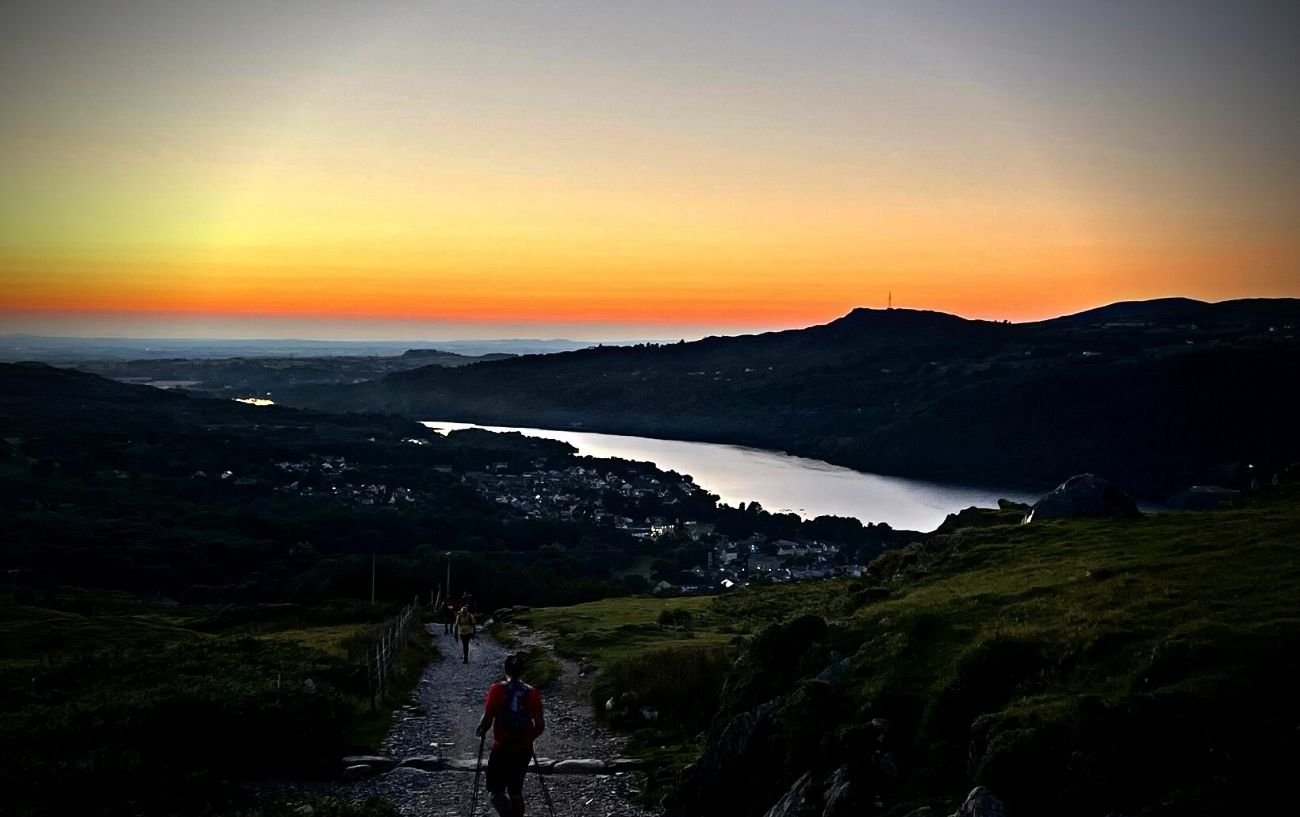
[[891, 299]]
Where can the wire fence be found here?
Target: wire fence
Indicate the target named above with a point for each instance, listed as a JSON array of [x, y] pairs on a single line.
[[387, 650]]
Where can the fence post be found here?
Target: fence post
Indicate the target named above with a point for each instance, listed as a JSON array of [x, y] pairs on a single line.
[[370, 681], [388, 648]]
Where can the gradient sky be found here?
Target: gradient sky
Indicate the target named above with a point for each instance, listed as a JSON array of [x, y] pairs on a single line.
[[617, 169]]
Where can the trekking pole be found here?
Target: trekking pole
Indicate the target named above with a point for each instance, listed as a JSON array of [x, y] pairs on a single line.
[[546, 795], [473, 801]]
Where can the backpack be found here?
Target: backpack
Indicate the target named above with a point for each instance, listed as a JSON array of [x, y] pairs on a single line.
[[514, 715]]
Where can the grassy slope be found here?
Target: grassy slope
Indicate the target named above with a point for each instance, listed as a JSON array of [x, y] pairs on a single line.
[[1114, 663], [605, 632], [1039, 629], [127, 699]]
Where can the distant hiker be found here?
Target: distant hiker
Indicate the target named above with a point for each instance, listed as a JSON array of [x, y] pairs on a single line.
[[465, 629], [514, 711], [449, 608], [468, 601]]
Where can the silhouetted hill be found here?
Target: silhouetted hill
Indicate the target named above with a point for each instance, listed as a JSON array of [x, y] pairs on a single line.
[[449, 358], [1154, 395], [265, 376]]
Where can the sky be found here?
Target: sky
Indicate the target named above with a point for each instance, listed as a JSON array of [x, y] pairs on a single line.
[[313, 168]]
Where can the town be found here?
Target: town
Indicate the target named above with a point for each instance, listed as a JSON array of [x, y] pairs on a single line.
[[654, 512]]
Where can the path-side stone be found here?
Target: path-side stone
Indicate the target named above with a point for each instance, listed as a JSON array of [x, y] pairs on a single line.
[[379, 763], [358, 772], [457, 764], [626, 764], [582, 766], [428, 763]]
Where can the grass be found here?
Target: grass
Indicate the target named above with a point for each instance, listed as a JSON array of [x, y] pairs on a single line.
[[604, 632], [37, 635], [1079, 665], [127, 701], [338, 641], [1110, 589], [1160, 622], [540, 667]]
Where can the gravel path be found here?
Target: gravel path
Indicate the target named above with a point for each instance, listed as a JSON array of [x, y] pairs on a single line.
[[440, 720]]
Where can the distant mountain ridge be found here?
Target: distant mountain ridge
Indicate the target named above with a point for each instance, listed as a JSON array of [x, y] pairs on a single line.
[[1154, 395]]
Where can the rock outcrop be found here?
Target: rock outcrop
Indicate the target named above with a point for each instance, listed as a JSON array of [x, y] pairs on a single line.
[[974, 517], [1084, 495], [981, 803], [709, 785], [792, 801]]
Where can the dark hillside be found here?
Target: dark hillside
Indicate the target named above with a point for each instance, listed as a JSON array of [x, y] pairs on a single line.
[[1143, 392], [1075, 667]]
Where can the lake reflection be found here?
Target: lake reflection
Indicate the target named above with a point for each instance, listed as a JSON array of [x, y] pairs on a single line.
[[780, 482]]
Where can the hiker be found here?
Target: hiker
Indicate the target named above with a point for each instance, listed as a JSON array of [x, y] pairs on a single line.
[[449, 608], [465, 629], [514, 711]]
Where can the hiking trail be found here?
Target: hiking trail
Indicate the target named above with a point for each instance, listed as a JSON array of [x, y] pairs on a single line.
[[440, 719]]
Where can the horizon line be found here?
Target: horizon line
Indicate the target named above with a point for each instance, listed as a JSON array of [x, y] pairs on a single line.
[[518, 339]]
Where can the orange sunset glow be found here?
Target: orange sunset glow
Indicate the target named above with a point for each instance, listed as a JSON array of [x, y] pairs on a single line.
[[470, 167]]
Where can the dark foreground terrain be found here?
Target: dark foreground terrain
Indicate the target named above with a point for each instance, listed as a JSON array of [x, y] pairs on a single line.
[[186, 616], [1072, 667]]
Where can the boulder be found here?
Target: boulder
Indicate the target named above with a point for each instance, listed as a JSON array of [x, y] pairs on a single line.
[[792, 801], [1011, 505], [726, 765], [358, 771], [409, 773], [836, 798], [581, 765], [1084, 495], [981, 803], [923, 811], [834, 670], [380, 763], [428, 763]]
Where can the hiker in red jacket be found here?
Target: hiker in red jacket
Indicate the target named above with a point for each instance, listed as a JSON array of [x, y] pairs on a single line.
[[514, 711]]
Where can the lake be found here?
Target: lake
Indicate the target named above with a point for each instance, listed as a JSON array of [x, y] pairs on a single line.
[[780, 482]]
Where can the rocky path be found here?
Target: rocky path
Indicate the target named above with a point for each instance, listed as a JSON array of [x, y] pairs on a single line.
[[440, 720]]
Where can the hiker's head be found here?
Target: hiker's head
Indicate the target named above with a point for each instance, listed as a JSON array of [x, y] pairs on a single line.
[[514, 665]]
